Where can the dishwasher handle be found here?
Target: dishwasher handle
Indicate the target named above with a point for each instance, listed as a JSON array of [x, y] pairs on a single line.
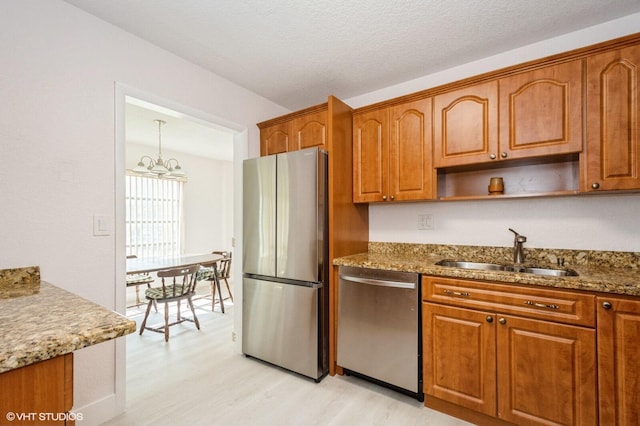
[[377, 282]]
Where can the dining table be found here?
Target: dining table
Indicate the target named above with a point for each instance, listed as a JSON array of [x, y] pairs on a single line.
[[141, 265]]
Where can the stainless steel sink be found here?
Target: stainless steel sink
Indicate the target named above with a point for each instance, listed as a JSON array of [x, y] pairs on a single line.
[[472, 265], [508, 268]]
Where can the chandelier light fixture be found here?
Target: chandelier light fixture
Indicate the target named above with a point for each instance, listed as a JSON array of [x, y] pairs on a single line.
[[163, 168]]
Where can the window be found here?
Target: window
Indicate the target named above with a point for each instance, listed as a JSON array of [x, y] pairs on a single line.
[[154, 216]]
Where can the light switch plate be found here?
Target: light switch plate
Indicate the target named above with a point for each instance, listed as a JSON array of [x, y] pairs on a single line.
[[101, 225]]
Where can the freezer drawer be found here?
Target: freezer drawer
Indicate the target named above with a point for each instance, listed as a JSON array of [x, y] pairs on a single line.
[[280, 325], [378, 326]]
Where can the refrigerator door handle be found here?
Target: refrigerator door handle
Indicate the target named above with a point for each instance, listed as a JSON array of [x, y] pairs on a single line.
[[381, 283]]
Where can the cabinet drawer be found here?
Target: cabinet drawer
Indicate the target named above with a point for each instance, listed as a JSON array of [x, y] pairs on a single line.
[[554, 305]]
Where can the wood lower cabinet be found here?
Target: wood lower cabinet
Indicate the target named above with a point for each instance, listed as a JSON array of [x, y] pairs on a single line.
[[619, 360], [525, 369], [459, 356], [38, 394], [613, 121], [392, 153], [546, 372]]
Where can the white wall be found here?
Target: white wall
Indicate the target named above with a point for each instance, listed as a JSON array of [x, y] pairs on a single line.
[[208, 210], [58, 81], [599, 222], [207, 197], [590, 222]]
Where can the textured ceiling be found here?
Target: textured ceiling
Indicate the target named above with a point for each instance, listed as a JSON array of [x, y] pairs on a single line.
[[297, 52]]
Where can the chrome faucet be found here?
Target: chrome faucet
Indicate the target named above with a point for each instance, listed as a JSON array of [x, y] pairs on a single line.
[[518, 252]]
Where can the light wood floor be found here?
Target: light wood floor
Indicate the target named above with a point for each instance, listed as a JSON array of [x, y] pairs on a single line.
[[198, 379]]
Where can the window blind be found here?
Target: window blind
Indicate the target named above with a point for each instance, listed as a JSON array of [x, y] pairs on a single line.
[[153, 217]]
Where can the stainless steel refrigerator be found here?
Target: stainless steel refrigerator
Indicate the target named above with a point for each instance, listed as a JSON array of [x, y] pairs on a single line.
[[285, 270]]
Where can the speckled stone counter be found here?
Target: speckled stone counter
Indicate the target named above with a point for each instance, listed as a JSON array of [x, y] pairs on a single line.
[[19, 282], [607, 272], [49, 322]]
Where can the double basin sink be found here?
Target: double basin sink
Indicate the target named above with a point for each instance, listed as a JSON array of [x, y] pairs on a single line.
[[536, 270]]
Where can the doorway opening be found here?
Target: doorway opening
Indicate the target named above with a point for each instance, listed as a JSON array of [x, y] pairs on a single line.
[[210, 151], [168, 215]]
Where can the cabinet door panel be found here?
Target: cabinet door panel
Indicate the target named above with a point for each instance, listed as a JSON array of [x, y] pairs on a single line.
[[618, 362], [466, 125], [613, 124], [370, 147], [546, 373], [310, 130], [276, 139], [43, 387], [541, 112], [410, 154], [459, 356]]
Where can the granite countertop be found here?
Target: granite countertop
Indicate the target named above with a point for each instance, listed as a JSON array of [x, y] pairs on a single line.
[[606, 272], [45, 321]]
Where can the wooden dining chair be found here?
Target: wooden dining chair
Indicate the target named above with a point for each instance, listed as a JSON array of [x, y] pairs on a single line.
[[177, 284], [136, 280], [224, 270], [220, 270]]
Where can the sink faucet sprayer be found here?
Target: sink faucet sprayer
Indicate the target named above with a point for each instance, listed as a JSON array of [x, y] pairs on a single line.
[[518, 253]]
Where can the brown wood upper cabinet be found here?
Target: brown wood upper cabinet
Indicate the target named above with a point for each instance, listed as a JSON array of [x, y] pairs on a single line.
[[465, 125], [392, 153], [276, 139], [303, 131], [541, 112], [530, 114], [310, 130], [613, 121]]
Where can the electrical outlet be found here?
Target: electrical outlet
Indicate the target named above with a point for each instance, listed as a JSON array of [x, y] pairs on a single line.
[[425, 222], [233, 336]]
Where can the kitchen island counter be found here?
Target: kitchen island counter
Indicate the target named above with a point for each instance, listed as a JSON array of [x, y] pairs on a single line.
[[46, 321], [606, 272]]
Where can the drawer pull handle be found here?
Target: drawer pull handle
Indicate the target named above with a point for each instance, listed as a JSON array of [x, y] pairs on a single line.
[[541, 305], [456, 293]]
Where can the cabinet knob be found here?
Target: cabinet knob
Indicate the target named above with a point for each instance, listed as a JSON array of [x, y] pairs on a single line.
[[504, 155], [595, 185], [606, 305], [489, 318], [502, 320], [492, 156], [384, 198], [392, 198]]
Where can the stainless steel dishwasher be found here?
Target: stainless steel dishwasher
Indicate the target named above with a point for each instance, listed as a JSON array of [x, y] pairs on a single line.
[[379, 328]]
